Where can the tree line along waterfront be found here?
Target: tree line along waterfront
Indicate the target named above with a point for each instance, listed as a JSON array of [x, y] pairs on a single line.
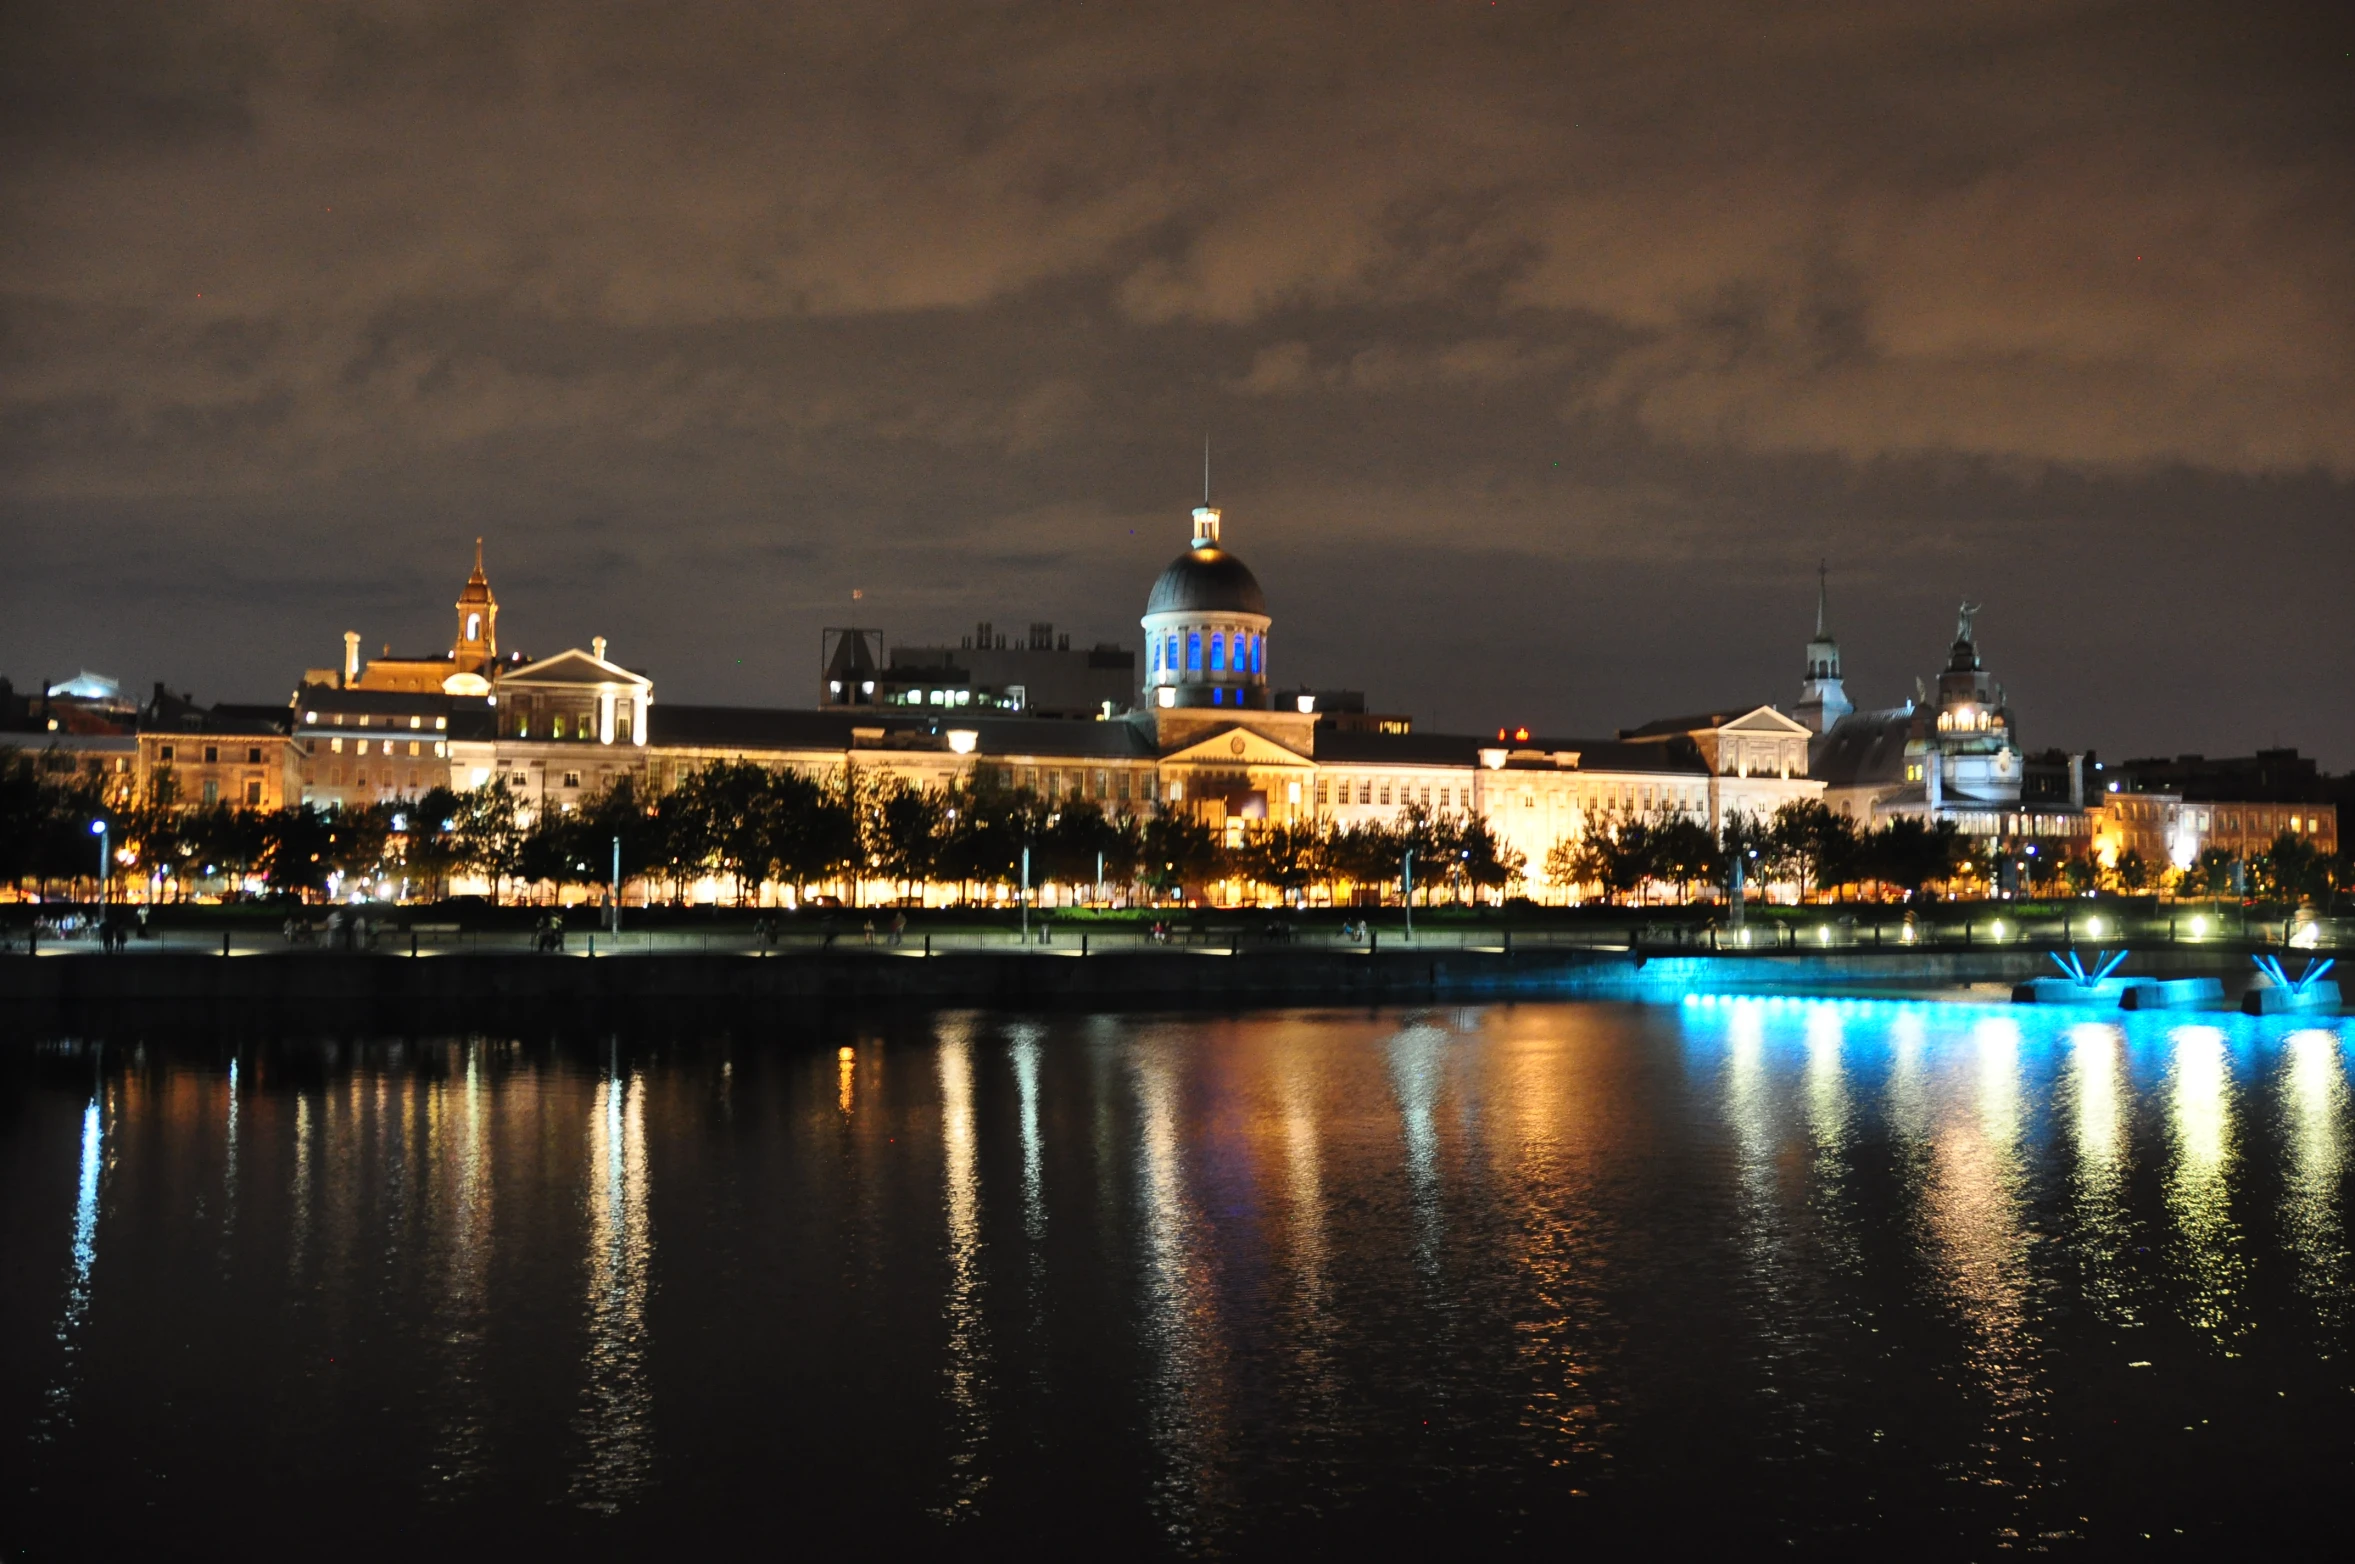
[[735, 833]]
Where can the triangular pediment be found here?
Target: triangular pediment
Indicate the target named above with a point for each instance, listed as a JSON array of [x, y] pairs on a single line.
[[1765, 719], [575, 667], [1235, 746]]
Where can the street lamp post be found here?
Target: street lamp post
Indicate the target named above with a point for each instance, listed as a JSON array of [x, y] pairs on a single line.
[[616, 910], [1407, 882], [1026, 898], [98, 829]]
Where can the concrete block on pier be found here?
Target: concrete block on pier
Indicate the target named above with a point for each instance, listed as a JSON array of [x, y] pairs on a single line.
[[2320, 996], [2068, 991], [2196, 993]]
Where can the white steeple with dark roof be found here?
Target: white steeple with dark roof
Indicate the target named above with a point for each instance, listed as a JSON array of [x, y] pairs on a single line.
[[1823, 698]]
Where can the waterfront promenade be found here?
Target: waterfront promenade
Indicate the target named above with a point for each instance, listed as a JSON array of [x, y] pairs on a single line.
[[261, 975]]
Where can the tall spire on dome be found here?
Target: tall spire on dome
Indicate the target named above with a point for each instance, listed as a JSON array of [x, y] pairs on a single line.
[[1822, 569], [1206, 517]]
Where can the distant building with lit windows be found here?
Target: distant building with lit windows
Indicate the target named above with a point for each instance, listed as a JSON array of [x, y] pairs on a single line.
[[1954, 758]]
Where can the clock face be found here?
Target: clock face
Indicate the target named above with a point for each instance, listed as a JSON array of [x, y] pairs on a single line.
[[1235, 744]]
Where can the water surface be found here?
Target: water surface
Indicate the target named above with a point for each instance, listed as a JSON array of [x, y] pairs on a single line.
[[1796, 1273]]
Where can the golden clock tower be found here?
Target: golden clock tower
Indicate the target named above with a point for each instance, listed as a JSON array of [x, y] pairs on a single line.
[[478, 622]]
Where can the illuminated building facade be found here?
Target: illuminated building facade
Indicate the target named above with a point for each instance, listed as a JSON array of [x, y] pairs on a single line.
[[1193, 730]]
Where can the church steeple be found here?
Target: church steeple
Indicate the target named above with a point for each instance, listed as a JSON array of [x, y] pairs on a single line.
[[1823, 699], [478, 621]]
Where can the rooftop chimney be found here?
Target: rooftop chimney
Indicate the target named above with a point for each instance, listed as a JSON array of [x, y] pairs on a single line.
[[597, 647], [351, 658]]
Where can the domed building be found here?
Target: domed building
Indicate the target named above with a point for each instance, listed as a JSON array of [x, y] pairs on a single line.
[[1206, 628]]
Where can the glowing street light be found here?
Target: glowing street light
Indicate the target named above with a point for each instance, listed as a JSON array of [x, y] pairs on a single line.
[[98, 829]]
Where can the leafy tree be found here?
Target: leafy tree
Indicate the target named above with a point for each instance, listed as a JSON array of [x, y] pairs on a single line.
[[2211, 873], [1284, 858], [1487, 864], [490, 836], [905, 833], [1744, 841], [2291, 870], [1613, 853], [1179, 851], [1681, 851], [296, 844], [1909, 852], [431, 847]]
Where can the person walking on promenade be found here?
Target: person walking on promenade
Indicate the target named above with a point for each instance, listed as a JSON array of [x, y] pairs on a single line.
[[899, 927]]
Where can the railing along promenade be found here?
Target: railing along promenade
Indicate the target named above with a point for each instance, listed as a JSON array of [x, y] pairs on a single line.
[[1788, 931]]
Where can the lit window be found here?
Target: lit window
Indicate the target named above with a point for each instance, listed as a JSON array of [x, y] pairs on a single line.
[[416, 722], [333, 744], [559, 728], [1156, 656], [1259, 653], [1170, 662], [1194, 651], [1218, 654], [440, 724], [1365, 791]]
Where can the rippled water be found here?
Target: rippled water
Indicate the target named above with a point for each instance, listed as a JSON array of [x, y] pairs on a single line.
[[1786, 1272]]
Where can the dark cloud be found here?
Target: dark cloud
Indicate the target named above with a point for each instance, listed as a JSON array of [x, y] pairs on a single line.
[[1546, 347]]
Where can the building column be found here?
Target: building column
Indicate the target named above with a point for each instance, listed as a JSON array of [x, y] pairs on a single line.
[[605, 716], [638, 718]]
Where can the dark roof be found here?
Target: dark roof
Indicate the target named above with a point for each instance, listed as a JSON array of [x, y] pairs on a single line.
[[1345, 747], [758, 728], [752, 727], [1045, 736], [169, 713], [1207, 580], [1864, 748], [1669, 727], [397, 703]]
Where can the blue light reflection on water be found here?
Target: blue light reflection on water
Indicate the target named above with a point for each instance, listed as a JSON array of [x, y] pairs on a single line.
[[1848, 1267]]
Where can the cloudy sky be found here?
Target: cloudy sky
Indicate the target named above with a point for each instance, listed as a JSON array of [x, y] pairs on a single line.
[[1545, 348]]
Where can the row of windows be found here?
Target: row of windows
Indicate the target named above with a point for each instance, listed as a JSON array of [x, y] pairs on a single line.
[[1603, 797], [1240, 652], [388, 779], [335, 719], [385, 746], [168, 754], [1382, 790], [576, 725], [2262, 821]]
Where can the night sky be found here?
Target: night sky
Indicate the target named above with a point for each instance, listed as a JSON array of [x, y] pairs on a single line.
[[1544, 348]]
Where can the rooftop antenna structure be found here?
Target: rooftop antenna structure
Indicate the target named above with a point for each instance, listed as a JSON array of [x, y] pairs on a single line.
[[1823, 569], [1206, 467]]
